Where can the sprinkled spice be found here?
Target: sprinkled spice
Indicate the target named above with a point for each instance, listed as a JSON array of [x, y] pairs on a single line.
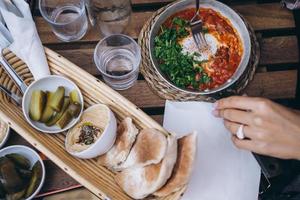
[[88, 133]]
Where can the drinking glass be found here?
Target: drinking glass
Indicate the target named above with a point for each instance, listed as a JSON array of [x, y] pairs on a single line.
[[118, 57], [66, 17], [112, 16]]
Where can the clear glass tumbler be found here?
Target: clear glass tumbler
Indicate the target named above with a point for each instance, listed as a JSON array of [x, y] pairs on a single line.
[[67, 18], [118, 58], [112, 16]]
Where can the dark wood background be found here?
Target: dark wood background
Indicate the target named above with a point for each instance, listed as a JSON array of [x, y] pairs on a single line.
[[278, 31]]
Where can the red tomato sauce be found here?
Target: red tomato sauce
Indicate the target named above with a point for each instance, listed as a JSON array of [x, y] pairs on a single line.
[[228, 56]]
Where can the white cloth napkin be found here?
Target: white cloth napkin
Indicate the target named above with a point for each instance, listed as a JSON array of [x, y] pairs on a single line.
[[26, 43], [221, 171]]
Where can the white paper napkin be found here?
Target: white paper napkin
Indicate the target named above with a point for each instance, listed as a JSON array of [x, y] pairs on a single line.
[[26, 43], [221, 171]]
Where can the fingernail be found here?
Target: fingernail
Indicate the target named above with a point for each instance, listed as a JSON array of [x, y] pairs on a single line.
[[215, 113]]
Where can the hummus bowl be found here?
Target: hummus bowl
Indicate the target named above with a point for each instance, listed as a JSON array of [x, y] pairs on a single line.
[[94, 134]]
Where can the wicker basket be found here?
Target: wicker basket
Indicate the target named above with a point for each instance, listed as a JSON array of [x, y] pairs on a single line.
[[167, 91], [89, 173]]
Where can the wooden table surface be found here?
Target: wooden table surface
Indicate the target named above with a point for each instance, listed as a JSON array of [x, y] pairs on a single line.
[[276, 28]]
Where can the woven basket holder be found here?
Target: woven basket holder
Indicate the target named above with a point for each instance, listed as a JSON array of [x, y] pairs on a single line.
[[166, 91]]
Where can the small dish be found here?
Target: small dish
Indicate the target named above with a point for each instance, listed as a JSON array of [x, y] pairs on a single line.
[[4, 132], [32, 156], [50, 83], [101, 117]]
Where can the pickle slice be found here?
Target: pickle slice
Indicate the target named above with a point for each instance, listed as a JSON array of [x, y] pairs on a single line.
[[74, 97], [57, 99], [37, 104], [19, 160], [48, 111], [16, 196], [64, 120], [74, 109], [36, 178], [58, 115]]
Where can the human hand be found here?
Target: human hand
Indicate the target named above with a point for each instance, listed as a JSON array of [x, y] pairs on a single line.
[[270, 128]]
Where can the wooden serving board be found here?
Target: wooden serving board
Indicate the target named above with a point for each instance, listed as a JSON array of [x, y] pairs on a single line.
[[94, 177]]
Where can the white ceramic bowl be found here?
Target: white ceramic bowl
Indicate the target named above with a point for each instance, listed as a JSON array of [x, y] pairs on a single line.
[[32, 156], [102, 144], [50, 83], [2, 143]]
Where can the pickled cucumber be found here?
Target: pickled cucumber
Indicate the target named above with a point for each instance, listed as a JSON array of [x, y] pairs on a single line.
[[64, 120], [57, 99], [19, 160], [74, 97], [16, 196], [48, 111], [74, 109], [9, 177], [35, 180], [58, 115], [37, 105]]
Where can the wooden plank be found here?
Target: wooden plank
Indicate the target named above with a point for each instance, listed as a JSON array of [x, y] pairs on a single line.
[[261, 17], [275, 50], [273, 85], [93, 34]]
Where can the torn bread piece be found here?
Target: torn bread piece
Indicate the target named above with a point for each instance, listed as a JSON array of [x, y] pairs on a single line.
[[150, 148], [126, 136], [140, 182], [186, 155]]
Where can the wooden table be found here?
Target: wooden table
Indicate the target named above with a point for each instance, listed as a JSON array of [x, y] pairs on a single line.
[[277, 29]]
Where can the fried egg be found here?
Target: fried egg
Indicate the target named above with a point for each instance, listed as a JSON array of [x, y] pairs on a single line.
[[189, 47]]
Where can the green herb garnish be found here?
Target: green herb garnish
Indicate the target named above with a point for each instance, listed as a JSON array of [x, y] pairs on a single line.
[[181, 68]]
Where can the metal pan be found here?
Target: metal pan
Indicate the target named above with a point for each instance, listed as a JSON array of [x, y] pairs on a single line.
[[227, 12]]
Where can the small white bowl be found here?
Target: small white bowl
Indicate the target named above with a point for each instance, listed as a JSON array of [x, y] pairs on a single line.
[[102, 144], [50, 83], [2, 143], [32, 156]]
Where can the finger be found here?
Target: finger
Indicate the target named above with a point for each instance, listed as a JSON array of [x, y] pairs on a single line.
[[233, 128], [249, 145], [238, 116], [252, 145], [237, 102]]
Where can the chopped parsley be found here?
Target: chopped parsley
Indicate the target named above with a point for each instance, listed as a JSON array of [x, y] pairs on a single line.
[[181, 68]]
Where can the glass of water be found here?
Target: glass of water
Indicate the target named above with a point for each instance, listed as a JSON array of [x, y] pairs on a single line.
[[118, 58], [112, 16], [67, 18]]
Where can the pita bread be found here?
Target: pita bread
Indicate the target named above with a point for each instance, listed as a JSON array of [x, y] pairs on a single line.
[[184, 165], [139, 182], [150, 148], [126, 135]]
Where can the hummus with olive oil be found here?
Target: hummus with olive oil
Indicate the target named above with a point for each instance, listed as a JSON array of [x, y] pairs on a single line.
[[89, 129]]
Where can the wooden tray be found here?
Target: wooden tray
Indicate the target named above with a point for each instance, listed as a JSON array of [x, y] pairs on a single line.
[[94, 177]]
